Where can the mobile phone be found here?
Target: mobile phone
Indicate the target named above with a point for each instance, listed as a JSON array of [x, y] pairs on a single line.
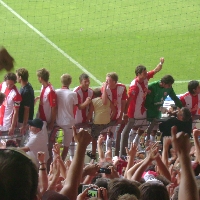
[[105, 170], [93, 192]]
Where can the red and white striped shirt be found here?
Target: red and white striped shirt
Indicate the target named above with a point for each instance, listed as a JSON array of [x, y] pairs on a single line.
[[12, 100], [138, 91], [191, 102], [48, 100], [116, 96], [81, 115]]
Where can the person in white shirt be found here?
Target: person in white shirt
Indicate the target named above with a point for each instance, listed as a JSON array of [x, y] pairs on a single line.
[[66, 99], [38, 140]]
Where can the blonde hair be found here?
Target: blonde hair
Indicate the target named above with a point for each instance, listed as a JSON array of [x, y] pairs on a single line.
[[66, 79]]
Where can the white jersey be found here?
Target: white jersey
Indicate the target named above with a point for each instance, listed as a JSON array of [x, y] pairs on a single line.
[[38, 142], [66, 99]]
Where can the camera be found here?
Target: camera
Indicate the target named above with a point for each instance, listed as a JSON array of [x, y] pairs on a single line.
[[105, 170]]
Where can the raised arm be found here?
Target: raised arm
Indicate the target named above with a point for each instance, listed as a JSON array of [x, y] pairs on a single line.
[[70, 188], [152, 155], [131, 156], [163, 170], [43, 180], [196, 133], [187, 188], [100, 149], [104, 94], [159, 66], [165, 156]]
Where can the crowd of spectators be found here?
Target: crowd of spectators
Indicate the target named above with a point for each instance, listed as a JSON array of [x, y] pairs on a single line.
[[154, 158]]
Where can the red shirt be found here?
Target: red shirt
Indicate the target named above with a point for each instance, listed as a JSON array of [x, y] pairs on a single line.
[[137, 92]]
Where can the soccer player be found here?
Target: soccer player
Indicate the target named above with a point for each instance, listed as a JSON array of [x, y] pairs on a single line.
[[135, 111], [85, 94], [26, 109], [117, 94], [10, 108], [67, 99], [191, 99], [48, 103], [157, 93]]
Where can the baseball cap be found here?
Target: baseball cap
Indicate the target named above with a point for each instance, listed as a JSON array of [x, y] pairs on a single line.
[[38, 123]]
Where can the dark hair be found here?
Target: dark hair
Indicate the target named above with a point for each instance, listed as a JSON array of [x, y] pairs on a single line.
[[23, 73], [139, 69], [155, 191], [97, 92], [10, 76], [127, 197], [19, 177], [186, 114], [192, 85], [167, 79], [102, 182], [113, 76], [2, 98], [83, 76], [43, 74], [118, 186]]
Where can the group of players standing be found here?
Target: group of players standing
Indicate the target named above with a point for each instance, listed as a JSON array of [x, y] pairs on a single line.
[[65, 108]]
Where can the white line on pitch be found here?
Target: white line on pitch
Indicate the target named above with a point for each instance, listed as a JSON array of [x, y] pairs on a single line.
[[51, 43]]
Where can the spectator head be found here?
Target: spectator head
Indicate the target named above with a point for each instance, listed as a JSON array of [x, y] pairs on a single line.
[[127, 197], [2, 98], [97, 92], [66, 80], [184, 114], [11, 143], [84, 80], [111, 79], [19, 177], [166, 81], [193, 87], [22, 75], [102, 182], [118, 187], [43, 75], [35, 125], [153, 190], [10, 79]]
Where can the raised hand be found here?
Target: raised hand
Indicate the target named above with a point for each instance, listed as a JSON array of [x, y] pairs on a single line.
[[41, 157], [180, 141], [132, 151], [83, 137]]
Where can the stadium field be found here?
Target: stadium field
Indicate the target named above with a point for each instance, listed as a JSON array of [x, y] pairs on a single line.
[[101, 36]]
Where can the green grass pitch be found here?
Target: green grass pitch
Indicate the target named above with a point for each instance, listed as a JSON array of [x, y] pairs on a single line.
[[104, 36]]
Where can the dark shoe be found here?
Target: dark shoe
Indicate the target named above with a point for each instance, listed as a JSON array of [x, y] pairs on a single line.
[[89, 154]]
